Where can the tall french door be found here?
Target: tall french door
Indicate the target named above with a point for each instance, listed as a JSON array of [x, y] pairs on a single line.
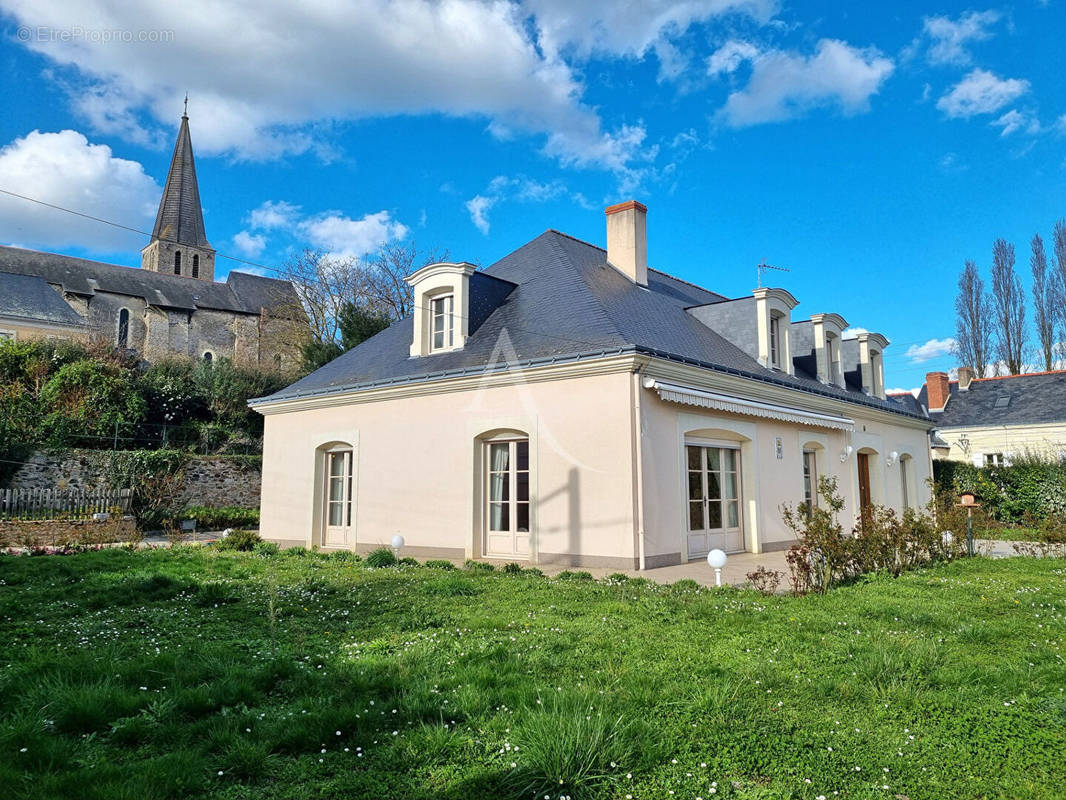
[[507, 511], [337, 514], [865, 496], [713, 505]]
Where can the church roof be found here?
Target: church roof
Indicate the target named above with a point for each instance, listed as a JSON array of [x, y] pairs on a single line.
[[242, 292], [180, 218], [30, 297]]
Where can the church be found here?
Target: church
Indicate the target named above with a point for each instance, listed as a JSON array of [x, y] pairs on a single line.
[[171, 306]]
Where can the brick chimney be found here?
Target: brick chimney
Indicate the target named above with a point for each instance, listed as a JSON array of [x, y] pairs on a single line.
[[627, 240], [938, 389], [966, 376]]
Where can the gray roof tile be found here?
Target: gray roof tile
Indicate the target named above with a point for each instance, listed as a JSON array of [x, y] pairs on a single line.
[[30, 297], [1016, 400]]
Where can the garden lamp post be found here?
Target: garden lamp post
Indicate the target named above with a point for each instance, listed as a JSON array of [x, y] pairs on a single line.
[[716, 560], [397, 544], [969, 502]]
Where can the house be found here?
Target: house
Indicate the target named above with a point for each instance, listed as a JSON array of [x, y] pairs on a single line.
[[172, 305], [570, 405], [990, 421]]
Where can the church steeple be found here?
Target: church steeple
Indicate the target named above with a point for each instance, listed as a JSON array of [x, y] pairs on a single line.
[[179, 243]]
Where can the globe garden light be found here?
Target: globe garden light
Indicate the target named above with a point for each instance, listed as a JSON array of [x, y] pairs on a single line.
[[397, 543], [893, 457], [716, 560], [846, 453]]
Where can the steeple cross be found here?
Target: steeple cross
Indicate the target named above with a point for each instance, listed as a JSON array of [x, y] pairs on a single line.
[[186, 105]]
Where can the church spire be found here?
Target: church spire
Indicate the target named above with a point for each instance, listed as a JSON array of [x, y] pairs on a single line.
[[179, 243]]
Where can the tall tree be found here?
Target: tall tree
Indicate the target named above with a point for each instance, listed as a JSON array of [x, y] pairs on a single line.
[[1009, 303], [1058, 271], [973, 326], [1044, 299]]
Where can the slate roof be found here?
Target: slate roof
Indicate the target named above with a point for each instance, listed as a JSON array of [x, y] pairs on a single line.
[[30, 297], [1031, 399], [567, 303], [242, 292], [180, 218]]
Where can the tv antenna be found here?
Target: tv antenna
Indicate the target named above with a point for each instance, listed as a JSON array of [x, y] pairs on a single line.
[[764, 266]]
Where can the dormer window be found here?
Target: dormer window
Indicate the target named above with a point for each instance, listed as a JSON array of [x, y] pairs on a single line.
[[832, 357], [871, 363], [775, 341], [828, 349], [442, 308], [443, 335]]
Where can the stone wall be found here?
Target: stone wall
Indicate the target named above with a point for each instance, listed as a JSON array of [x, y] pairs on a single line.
[[56, 533], [208, 480]]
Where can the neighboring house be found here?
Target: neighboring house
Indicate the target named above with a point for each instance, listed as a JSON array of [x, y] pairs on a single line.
[[171, 306], [31, 309], [990, 421], [570, 405]]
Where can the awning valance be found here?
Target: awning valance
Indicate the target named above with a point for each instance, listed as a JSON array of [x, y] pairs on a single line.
[[688, 395]]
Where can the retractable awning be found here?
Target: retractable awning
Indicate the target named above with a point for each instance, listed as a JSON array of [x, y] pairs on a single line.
[[688, 395]]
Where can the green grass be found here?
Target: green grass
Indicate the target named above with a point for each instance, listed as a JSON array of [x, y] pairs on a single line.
[[196, 673], [1015, 533]]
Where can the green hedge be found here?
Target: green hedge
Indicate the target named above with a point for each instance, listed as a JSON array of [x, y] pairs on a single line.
[[217, 519], [1008, 494]]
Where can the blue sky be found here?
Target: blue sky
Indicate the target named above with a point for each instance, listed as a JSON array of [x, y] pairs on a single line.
[[869, 151]]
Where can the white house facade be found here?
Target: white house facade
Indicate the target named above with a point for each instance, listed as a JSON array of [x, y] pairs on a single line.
[[569, 405]]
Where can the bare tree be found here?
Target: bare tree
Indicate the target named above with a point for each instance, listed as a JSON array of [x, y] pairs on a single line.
[[1043, 302], [386, 286], [1009, 304], [973, 326], [324, 284]]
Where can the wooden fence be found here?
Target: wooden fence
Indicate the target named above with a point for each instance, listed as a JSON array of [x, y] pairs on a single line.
[[61, 503]]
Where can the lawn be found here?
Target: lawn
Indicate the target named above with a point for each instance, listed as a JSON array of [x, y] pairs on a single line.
[[193, 673]]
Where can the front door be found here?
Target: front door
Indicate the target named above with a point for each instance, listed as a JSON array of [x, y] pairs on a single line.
[[338, 511], [507, 512], [865, 501], [713, 500]]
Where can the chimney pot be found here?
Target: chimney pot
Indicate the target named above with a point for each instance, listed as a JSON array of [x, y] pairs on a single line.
[[938, 389], [627, 240]]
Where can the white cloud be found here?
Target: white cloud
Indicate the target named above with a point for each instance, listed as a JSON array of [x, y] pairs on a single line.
[[934, 348], [64, 169], [981, 92], [519, 188], [914, 392], [273, 215], [851, 333], [949, 37], [250, 245], [1014, 121], [344, 236], [632, 28], [1060, 124], [478, 206], [785, 85], [264, 79], [728, 58]]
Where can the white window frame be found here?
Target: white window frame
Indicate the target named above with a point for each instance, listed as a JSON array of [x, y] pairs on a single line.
[[775, 340], [832, 359], [446, 314], [513, 501], [705, 446], [810, 478], [347, 486], [905, 481]]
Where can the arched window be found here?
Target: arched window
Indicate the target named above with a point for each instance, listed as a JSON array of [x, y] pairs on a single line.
[[208, 356], [196, 265], [123, 338], [905, 481], [177, 262], [336, 470]]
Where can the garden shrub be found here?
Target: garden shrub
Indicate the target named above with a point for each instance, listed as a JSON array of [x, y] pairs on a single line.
[[532, 572], [409, 562], [240, 539], [437, 563], [1031, 485], [382, 557], [511, 568], [266, 549], [88, 398], [479, 566], [222, 517], [765, 581]]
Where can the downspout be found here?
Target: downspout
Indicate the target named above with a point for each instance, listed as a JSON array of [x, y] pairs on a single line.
[[638, 467]]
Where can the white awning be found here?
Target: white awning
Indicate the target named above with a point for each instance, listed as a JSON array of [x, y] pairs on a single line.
[[688, 395]]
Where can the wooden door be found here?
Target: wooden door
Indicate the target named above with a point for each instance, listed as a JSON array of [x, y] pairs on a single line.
[[865, 501]]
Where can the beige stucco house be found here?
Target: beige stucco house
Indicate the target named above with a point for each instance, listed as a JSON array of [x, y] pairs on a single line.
[[993, 421], [570, 405]]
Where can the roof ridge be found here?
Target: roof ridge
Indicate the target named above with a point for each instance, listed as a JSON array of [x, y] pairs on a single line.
[[591, 295], [653, 269], [1021, 375]]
